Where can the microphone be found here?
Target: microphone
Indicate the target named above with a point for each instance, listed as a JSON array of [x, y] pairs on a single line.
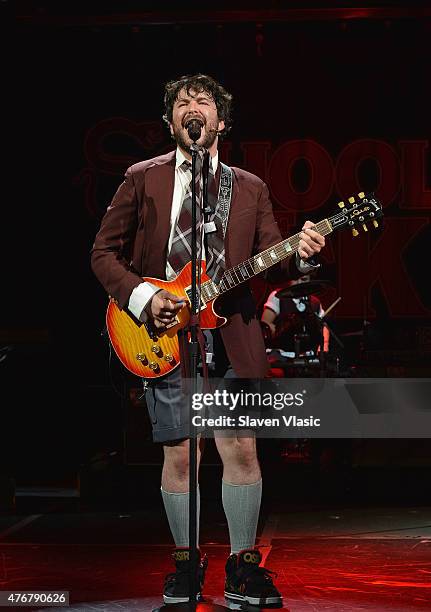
[[194, 128]]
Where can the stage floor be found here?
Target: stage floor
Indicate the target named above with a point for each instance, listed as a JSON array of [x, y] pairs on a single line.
[[327, 559]]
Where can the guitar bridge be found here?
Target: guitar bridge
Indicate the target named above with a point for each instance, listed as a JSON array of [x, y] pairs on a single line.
[[173, 323], [154, 331]]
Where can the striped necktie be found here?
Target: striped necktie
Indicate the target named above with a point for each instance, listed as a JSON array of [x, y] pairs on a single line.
[[181, 249]]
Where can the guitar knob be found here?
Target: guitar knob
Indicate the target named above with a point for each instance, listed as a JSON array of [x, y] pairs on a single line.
[[355, 232], [153, 366], [156, 349], [141, 357], [169, 358], [351, 200], [341, 204], [375, 223], [361, 195], [365, 227]]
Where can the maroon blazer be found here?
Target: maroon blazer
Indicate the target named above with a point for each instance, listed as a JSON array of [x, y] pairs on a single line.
[[133, 238]]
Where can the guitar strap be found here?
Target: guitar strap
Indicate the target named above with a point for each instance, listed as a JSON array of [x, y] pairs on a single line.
[[224, 195], [216, 216]]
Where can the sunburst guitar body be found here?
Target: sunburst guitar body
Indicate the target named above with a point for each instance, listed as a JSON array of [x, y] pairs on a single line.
[[149, 352]]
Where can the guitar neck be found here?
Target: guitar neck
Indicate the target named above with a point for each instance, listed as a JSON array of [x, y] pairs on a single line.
[[266, 259]]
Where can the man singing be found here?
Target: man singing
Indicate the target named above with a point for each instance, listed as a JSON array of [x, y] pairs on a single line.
[[145, 233]]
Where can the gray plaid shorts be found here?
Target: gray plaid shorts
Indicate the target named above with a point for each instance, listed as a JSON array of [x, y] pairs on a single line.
[[167, 406]]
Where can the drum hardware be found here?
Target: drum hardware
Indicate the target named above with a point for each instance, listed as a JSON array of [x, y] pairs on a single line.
[[301, 290], [303, 362]]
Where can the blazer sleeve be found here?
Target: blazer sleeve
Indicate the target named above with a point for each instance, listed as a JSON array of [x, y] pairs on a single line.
[[268, 234], [113, 245]]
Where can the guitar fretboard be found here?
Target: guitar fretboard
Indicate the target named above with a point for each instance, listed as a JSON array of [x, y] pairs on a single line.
[[264, 260], [359, 210]]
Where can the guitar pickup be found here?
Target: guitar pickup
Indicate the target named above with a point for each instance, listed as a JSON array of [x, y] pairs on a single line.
[[188, 291]]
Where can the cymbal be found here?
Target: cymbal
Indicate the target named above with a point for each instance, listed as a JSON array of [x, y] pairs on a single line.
[[301, 289]]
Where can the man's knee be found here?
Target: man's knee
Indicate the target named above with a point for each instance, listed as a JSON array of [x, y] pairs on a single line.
[[176, 458], [241, 451]]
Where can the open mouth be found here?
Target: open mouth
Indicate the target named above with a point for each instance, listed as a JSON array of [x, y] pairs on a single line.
[[193, 121]]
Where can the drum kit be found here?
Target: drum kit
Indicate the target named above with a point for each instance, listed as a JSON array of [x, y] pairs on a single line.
[[295, 347]]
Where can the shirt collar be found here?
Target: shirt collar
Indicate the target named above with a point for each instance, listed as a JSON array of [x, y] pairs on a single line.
[[180, 157]]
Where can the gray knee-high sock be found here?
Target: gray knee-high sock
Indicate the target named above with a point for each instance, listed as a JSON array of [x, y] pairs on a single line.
[[241, 504], [177, 511]]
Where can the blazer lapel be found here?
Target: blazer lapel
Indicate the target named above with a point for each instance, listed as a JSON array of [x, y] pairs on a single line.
[[159, 188]]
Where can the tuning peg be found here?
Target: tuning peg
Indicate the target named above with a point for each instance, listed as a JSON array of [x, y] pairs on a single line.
[[341, 204], [352, 200], [361, 195], [355, 232], [375, 223], [365, 227]]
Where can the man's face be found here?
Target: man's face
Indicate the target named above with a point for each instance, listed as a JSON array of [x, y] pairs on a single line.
[[195, 105]]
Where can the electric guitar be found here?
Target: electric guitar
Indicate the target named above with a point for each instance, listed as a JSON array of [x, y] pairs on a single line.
[[149, 352]]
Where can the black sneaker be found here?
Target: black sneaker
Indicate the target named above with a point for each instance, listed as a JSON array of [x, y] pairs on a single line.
[[246, 581], [177, 584]]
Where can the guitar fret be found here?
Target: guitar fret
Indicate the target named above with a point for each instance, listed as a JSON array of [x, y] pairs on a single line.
[[234, 271], [279, 252], [238, 273], [259, 261], [244, 271], [294, 241], [324, 227], [266, 260], [236, 276], [229, 279], [248, 263], [288, 245], [254, 265]]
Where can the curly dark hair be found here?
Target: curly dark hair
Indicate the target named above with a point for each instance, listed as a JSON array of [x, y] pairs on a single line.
[[199, 83]]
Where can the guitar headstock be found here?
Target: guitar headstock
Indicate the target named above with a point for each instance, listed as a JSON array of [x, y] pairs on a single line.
[[356, 212]]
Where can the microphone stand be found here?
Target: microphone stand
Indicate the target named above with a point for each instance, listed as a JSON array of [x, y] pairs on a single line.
[[193, 605]]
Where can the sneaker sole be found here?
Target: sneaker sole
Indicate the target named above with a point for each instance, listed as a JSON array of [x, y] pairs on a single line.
[[256, 601], [175, 600]]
